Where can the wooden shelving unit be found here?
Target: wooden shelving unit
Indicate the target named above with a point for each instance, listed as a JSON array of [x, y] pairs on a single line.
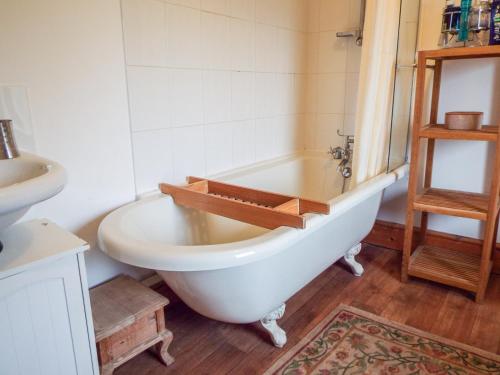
[[467, 271]]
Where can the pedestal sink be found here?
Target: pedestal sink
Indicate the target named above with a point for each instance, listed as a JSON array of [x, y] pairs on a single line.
[[25, 181]]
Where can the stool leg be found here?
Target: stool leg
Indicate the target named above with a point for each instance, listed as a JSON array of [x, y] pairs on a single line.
[[162, 348], [107, 369]]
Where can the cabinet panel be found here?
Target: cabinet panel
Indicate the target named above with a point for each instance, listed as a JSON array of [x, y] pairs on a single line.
[[43, 316]]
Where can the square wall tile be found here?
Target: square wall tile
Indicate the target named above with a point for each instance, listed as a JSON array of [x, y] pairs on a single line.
[[184, 37], [309, 131], [219, 147], [311, 96], [265, 138], [216, 41], [326, 133], [153, 158], [332, 53], [187, 3], [216, 96], [266, 48], [243, 143], [312, 58], [215, 6], [266, 95], [334, 15], [285, 94], [242, 45], [353, 57], [351, 93], [313, 12], [149, 98], [186, 97], [242, 95], [331, 93], [144, 32], [349, 124], [244, 9], [189, 153], [268, 11]]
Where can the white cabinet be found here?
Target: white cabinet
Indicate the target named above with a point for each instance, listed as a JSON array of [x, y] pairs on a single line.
[[45, 317]]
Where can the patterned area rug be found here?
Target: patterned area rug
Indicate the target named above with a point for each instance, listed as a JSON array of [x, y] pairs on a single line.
[[352, 341]]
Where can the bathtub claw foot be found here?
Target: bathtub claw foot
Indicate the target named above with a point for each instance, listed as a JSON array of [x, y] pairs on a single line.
[[278, 335], [349, 258]]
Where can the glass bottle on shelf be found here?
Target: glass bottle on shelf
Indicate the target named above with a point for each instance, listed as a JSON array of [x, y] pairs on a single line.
[[450, 25], [479, 24]]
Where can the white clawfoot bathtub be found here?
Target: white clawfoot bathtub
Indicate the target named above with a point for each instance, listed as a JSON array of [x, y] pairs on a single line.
[[236, 272]]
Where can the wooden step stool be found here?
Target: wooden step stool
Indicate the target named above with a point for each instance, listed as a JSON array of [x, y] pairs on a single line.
[[128, 319]]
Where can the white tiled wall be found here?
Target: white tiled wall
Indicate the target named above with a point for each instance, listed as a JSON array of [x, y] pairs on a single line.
[[332, 72], [213, 84]]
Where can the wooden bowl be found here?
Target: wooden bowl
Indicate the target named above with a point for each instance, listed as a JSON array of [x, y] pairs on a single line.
[[463, 120]]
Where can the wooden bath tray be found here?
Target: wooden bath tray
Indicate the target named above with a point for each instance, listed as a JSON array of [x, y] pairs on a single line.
[[257, 207]]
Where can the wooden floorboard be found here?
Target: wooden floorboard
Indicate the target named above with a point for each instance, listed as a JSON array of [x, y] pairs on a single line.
[[204, 346]]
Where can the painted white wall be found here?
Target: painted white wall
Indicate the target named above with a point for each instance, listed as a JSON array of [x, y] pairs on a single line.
[[464, 166], [65, 58]]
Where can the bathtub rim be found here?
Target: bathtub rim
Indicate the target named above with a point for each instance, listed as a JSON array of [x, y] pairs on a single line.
[[167, 257]]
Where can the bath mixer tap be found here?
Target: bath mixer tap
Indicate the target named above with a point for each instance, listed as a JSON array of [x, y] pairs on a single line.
[[8, 148], [344, 154]]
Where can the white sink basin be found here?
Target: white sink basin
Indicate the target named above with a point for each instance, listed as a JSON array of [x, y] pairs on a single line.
[[25, 181]]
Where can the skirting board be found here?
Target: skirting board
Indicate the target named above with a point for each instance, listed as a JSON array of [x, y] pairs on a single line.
[[391, 236]]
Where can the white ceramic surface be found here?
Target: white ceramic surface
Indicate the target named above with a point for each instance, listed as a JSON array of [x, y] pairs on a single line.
[[236, 272], [25, 181]]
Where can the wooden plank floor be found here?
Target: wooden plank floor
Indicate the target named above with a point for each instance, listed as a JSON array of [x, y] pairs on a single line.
[[204, 346]]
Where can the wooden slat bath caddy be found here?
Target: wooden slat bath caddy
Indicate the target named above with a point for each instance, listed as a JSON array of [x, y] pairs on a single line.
[[257, 207]]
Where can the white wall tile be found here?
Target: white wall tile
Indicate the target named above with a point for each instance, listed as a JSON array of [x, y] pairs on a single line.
[[309, 131], [353, 57], [242, 95], [189, 152], [265, 138], [188, 3], [327, 126], [186, 97], [219, 147], [153, 158], [284, 94], [149, 98], [351, 93], [244, 9], [217, 96], [332, 53], [266, 95], [242, 45], [215, 6], [331, 93], [313, 13], [334, 15], [266, 45], [268, 11], [144, 32], [216, 41], [243, 142], [184, 37]]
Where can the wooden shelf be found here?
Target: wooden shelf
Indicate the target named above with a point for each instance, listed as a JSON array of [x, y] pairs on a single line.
[[257, 207], [446, 266], [453, 203], [470, 273], [487, 133], [462, 53]]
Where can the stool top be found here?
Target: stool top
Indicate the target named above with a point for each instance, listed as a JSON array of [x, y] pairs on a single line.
[[119, 303]]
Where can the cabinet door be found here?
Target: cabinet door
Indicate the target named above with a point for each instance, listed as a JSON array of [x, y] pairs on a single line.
[[43, 329]]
